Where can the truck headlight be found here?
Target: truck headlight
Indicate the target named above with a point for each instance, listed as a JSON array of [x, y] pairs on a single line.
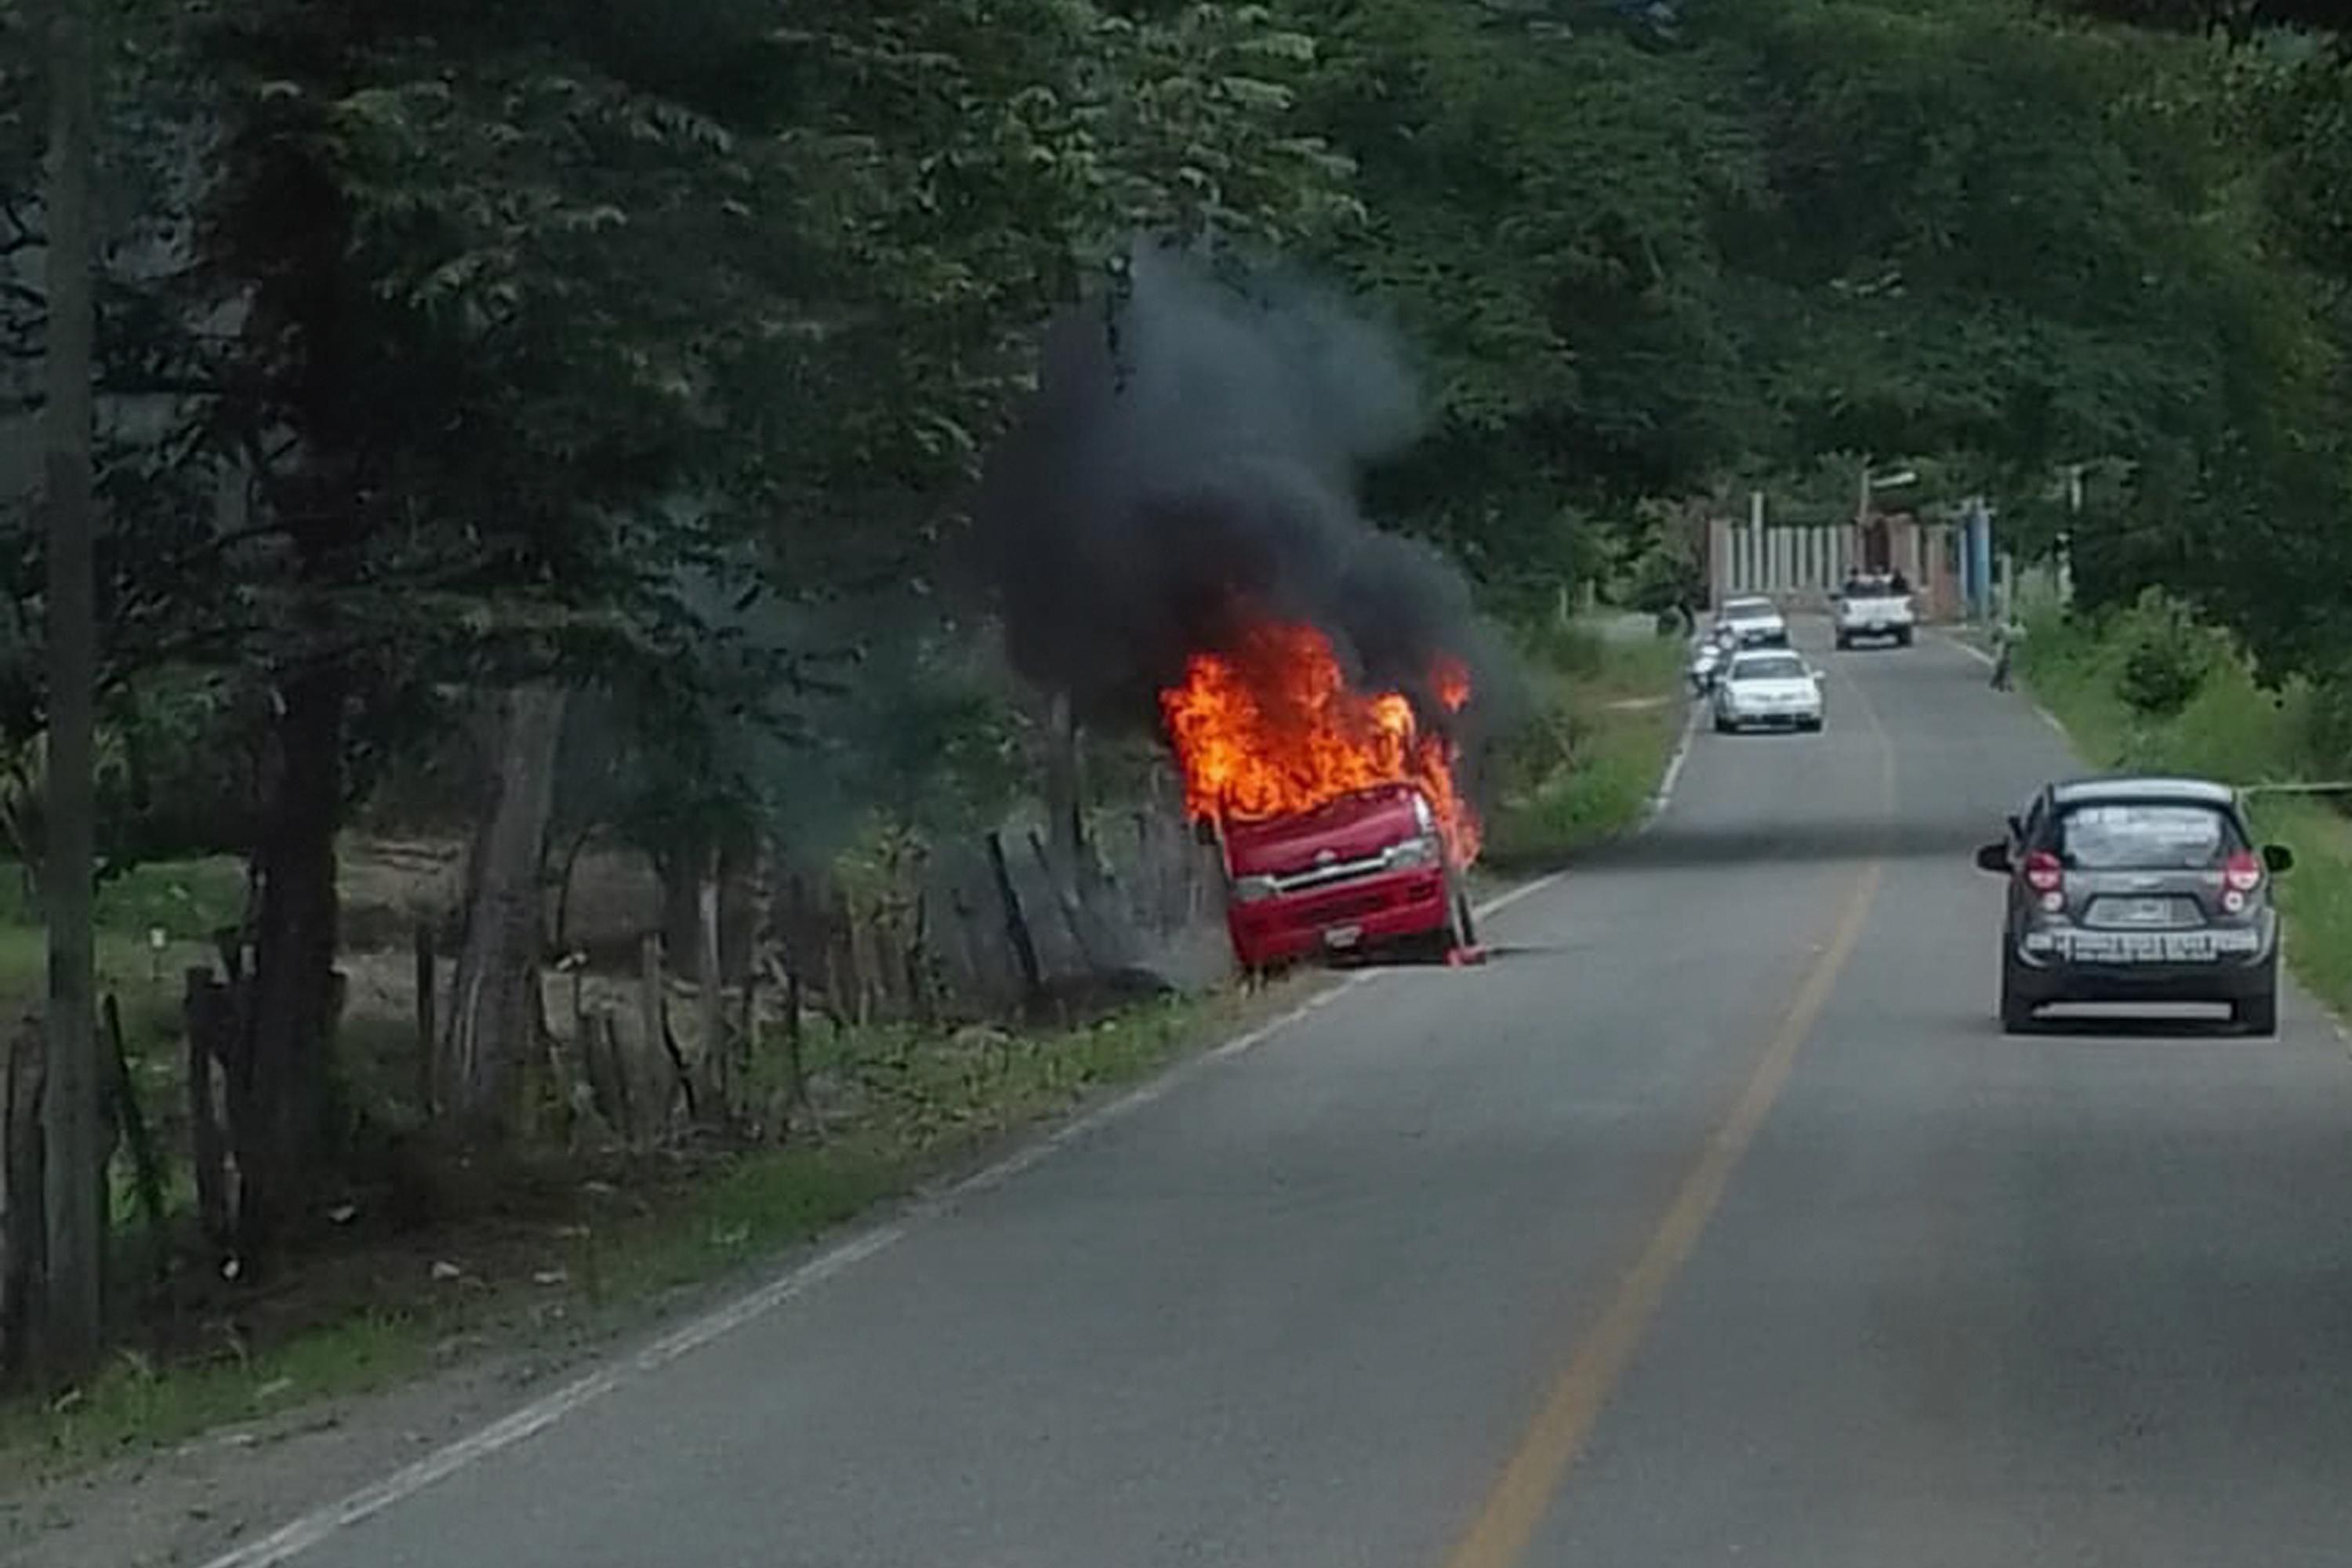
[[1249, 890], [1412, 853]]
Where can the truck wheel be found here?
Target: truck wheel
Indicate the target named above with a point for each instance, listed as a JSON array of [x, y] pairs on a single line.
[[1843, 642], [1903, 638], [1462, 925]]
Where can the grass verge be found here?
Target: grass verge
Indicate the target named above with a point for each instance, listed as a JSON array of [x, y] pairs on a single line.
[[585, 1250], [1608, 716], [604, 1252], [2200, 710]]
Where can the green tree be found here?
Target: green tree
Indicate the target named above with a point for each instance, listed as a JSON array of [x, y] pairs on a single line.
[[1547, 204]]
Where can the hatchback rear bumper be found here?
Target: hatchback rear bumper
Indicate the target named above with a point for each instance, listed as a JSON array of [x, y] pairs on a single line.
[[2041, 979]]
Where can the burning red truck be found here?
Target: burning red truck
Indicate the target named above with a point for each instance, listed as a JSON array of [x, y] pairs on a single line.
[[1340, 823]]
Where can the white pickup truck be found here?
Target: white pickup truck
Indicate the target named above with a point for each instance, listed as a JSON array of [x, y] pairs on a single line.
[[1871, 607]]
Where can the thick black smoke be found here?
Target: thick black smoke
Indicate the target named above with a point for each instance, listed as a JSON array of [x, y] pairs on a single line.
[[1188, 465]]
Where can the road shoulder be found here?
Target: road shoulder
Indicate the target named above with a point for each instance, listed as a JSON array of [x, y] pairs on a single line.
[[203, 1499]]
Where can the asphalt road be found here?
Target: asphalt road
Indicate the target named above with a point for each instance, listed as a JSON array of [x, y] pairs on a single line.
[[1712, 1221]]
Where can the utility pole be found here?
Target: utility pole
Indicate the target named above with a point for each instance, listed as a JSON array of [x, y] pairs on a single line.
[[71, 1319], [1862, 558]]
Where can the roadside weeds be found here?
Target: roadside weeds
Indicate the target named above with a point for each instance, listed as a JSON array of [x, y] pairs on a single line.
[[2229, 728], [568, 1273], [1592, 765], [566, 1282]]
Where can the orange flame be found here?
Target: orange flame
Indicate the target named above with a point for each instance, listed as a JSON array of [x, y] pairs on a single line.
[[1274, 728]]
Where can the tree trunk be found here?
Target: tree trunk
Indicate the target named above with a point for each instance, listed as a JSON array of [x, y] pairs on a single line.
[[428, 1029], [22, 1228], [710, 993], [1065, 791], [208, 1016], [493, 1032], [1016, 927], [680, 865], [280, 1103], [72, 1318], [567, 871], [744, 875], [129, 1119]]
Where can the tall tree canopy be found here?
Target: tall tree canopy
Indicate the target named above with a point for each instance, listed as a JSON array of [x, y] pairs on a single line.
[[463, 346]]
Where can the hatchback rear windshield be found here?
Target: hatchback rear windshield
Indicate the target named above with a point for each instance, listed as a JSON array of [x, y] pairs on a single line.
[[2146, 837], [1787, 668]]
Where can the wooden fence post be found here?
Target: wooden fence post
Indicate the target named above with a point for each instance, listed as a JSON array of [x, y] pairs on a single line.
[[1071, 915], [427, 1030], [1016, 926]]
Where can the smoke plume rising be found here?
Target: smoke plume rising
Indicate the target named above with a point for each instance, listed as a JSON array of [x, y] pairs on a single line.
[[1189, 467]]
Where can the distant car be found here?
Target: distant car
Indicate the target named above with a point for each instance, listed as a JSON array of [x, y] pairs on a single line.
[[2138, 889], [1769, 688], [1752, 620], [1871, 609], [1365, 870]]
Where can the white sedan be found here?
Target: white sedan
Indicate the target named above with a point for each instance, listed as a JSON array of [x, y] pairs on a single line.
[[1752, 620], [1768, 688]]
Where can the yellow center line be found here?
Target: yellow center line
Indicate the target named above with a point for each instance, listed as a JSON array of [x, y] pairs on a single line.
[[1509, 1519]]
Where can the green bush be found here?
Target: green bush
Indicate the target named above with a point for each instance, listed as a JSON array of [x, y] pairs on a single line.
[[2166, 662], [2118, 691]]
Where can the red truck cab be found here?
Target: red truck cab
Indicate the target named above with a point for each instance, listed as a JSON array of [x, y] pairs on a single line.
[[1366, 869]]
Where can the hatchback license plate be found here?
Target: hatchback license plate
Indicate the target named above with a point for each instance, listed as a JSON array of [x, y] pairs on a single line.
[[2155, 947], [1341, 938]]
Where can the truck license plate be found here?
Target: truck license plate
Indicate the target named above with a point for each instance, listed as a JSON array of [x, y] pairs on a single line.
[[1341, 938]]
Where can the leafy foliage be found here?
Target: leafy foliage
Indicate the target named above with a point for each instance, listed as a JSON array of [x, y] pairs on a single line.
[[652, 348], [1545, 202], [2165, 661]]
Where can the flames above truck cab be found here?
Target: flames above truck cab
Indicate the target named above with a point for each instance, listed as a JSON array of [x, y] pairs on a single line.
[[1276, 744]]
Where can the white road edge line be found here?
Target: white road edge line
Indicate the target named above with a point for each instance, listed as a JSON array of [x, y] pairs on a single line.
[[1970, 649], [1664, 795], [1510, 896], [299, 1535], [1986, 659]]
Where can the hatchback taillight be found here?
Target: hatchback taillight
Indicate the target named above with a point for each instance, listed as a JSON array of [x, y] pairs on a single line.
[[2241, 872], [2042, 872]]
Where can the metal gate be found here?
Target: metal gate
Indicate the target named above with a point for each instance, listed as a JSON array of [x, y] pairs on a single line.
[[1785, 559]]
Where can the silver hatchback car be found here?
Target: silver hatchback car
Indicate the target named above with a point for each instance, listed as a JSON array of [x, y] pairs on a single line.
[[2138, 889]]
